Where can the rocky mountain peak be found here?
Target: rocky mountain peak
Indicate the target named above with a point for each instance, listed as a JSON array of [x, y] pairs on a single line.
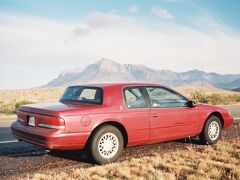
[[106, 70], [109, 65], [106, 63]]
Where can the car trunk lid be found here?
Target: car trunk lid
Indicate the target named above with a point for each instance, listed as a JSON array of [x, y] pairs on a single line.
[[50, 109], [46, 114]]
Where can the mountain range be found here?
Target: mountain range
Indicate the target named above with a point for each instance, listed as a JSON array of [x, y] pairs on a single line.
[[106, 70]]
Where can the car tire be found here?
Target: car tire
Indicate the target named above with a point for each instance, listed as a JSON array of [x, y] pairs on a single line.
[[212, 129], [106, 144]]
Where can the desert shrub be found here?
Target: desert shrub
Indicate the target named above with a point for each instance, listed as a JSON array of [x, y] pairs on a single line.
[[200, 97], [218, 99], [5, 109], [215, 98], [19, 103], [11, 108], [236, 97]]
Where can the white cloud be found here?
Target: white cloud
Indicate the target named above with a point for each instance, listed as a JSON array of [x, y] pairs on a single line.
[[103, 20], [162, 13], [50, 46], [133, 8], [209, 24], [81, 31]]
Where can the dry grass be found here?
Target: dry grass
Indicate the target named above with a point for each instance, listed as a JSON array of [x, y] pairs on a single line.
[[210, 95], [221, 161], [10, 99]]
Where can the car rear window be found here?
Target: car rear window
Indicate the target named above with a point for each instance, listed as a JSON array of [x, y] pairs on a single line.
[[82, 94]]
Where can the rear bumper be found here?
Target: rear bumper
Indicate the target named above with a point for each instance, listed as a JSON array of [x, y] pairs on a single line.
[[49, 138]]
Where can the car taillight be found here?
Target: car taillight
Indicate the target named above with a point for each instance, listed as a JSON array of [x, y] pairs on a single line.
[[22, 117], [53, 123]]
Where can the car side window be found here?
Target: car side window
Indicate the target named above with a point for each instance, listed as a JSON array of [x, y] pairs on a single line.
[[162, 98], [134, 98]]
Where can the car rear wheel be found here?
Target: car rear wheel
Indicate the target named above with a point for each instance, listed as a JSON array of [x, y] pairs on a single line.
[[106, 145], [211, 131]]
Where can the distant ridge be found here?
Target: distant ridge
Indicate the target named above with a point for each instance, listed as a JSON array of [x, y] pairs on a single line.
[[236, 89], [106, 70]]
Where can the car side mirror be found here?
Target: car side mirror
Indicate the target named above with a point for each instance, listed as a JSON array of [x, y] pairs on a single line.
[[191, 104]]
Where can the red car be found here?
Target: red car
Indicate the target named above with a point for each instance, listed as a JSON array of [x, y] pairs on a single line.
[[105, 118]]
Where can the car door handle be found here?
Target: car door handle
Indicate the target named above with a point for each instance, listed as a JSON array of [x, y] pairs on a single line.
[[154, 115]]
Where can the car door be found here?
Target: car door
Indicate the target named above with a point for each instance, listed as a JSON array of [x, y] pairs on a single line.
[[170, 118], [136, 115]]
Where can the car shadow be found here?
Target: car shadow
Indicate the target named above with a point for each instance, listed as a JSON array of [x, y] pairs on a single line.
[[24, 149], [189, 141], [74, 155]]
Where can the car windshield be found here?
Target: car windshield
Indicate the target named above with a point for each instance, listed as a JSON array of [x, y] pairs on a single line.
[[82, 94]]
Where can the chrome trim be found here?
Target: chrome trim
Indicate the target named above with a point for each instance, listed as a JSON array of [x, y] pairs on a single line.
[[51, 126], [19, 119]]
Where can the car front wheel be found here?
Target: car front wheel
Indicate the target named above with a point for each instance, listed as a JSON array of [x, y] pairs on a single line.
[[211, 131], [106, 145]]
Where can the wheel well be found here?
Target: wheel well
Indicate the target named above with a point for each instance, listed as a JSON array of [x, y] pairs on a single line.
[[219, 115], [115, 124]]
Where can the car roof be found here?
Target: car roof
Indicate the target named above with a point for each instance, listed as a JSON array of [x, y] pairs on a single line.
[[102, 85]]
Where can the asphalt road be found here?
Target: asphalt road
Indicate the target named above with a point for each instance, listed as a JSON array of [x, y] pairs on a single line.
[[19, 158], [5, 132]]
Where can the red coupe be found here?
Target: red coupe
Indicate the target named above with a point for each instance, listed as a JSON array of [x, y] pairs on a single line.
[[105, 118]]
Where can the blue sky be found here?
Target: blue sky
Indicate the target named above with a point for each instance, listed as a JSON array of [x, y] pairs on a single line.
[[226, 10], [40, 39]]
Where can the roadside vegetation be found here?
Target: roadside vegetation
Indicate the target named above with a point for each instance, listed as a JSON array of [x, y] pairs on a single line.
[[8, 109], [216, 98], [220, 161], [211, 95], [10, 100]]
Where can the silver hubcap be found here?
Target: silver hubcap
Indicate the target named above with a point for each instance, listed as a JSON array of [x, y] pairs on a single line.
[[213, 130], [108, 145]]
